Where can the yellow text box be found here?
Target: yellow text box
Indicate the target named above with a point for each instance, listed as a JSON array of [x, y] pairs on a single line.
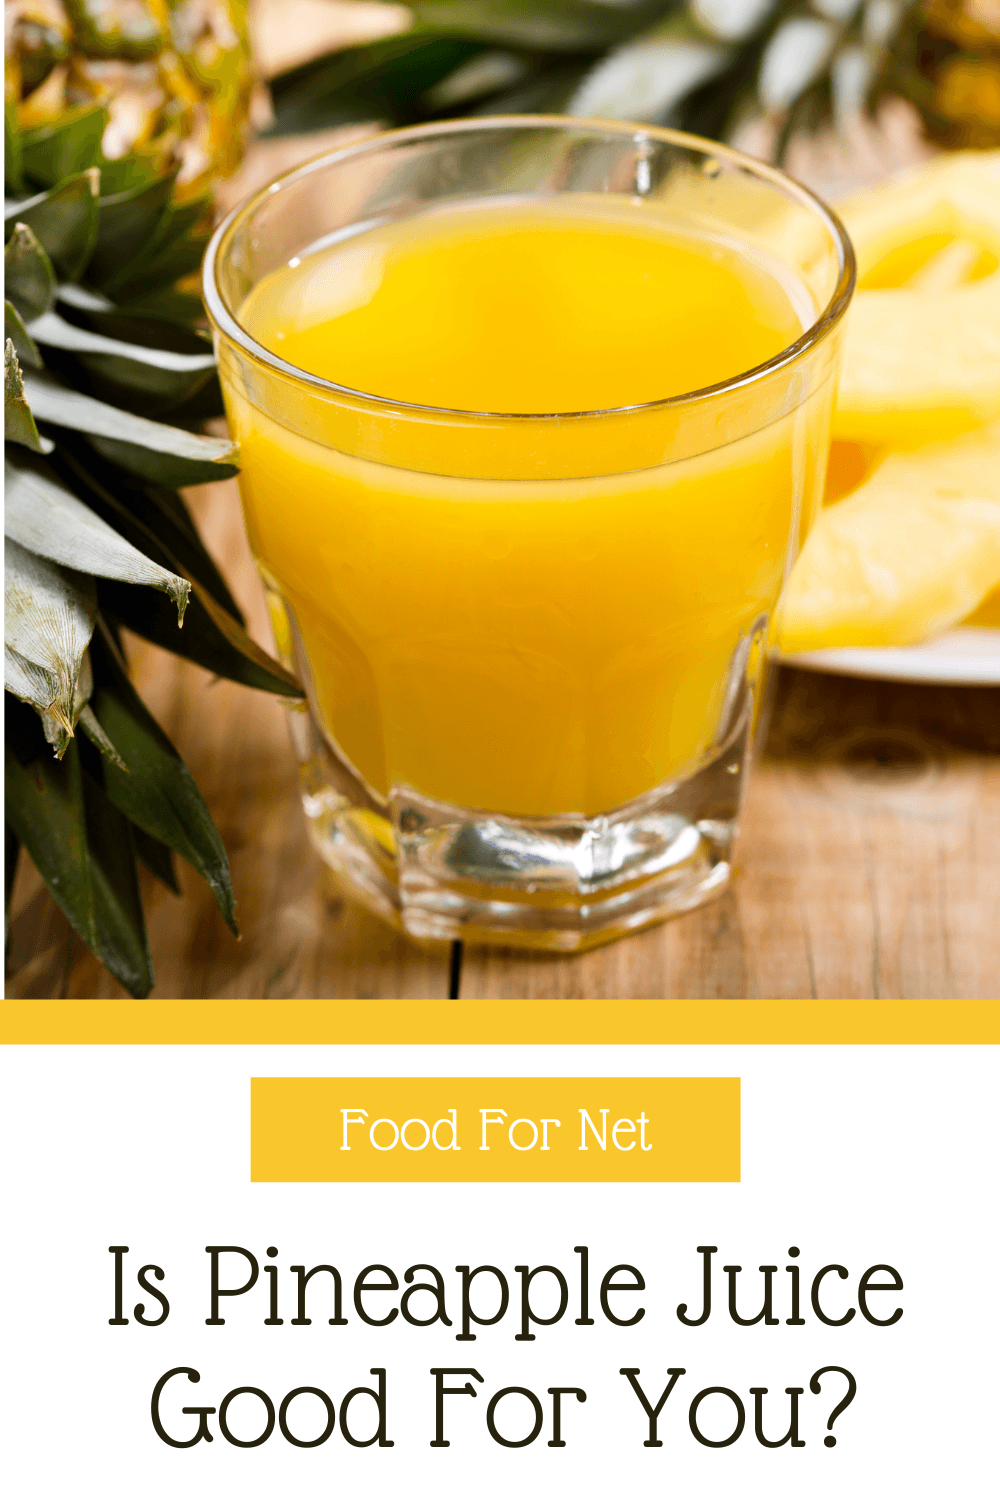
[[495, 1129]]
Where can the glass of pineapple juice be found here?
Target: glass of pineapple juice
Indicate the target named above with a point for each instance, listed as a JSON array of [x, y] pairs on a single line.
[[533, 416]]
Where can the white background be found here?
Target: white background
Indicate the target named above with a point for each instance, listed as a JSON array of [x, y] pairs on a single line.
[[856, 1155]]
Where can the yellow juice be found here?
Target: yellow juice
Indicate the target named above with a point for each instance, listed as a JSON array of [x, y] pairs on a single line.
[[532, 617]]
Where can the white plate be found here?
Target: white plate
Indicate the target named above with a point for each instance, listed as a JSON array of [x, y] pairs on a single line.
[[965, 655]]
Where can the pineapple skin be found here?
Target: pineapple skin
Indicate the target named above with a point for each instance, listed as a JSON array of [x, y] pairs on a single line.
[[175, 76]]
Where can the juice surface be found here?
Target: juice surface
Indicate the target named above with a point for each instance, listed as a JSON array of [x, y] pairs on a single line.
[[530, 645], [519, 308]]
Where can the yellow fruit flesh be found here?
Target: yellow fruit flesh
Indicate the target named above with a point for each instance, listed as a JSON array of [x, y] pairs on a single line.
[[910, 553], [922, 355]]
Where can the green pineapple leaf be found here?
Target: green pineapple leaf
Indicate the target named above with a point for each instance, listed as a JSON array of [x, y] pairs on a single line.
[[158, 792], [136, 375], [89, 724], [15, 333], [43, 515], [117, 901], [29, 277], [51, 153], [153, 518], [380, 80], [158, 859], [44, 807], [211, 637], [127, 222], [54, 403], [18, 423], [156, 511], [64, 220], [175, 249], [165, 469]]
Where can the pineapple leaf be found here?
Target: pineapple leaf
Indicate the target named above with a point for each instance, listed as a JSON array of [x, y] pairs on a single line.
[[31, 683], [151, 517], [15, 332], [57, 734], [549, 25], [175, 249], [121, 924], [54, 331], [155, 271], [65, 408], [126, 173], [162, 468], [158, 859], [91, 727], [150, 330], [29, 277], [211, 637], [18, 423], [13, 172], [379, 80], [126, 223], [168, 302], [51, 153], [648, 77], [81, 846], [43, 515], [796, 54], [130, 386], [44, 806], [546, 92], [64, 219], [49, 615], [159, 795]]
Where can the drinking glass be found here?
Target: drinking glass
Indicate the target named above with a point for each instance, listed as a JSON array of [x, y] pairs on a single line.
[[533, 644]]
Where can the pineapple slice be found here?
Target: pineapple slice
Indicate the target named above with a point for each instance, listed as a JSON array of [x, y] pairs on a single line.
[[913, 551], [922, 353]]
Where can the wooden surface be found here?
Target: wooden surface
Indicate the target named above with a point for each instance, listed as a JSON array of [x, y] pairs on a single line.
[[869, 863]]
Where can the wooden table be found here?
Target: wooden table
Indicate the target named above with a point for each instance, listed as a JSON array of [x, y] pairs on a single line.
[[868, 865]]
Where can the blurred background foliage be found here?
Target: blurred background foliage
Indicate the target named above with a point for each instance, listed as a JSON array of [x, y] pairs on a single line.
[[722, 68]]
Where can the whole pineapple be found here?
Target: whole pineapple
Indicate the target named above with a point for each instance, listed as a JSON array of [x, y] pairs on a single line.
[[173, 76]]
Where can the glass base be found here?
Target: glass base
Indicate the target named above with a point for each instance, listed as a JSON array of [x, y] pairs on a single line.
[[442, 872]]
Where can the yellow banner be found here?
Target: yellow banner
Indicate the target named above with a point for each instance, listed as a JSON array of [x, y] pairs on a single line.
[[495, 1129], [546, 1022]]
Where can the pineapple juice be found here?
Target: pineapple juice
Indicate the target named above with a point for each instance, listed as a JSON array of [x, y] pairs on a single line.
[[536, 618]]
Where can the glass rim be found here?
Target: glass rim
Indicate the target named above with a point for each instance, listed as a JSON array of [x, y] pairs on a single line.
[[227, 324]]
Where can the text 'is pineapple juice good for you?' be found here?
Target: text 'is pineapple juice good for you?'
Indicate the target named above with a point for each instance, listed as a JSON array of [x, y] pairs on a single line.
[[533, 645], [533, 415]]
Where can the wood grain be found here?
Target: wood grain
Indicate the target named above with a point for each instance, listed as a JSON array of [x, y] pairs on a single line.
[[869, 863]]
